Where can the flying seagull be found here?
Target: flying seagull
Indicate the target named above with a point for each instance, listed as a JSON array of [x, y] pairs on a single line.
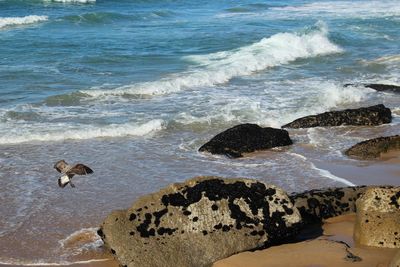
[[68, 171]]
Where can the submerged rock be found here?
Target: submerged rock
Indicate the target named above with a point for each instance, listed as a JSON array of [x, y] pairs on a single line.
[[374, 115], [245, 138], [199, 222], [384, 87], [378, 218], [379, 87], [373, 148]]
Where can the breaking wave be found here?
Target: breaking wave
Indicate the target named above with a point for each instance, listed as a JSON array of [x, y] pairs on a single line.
[[72, 1], [15, 21], [65, 132], [85, 239], [218, 68]]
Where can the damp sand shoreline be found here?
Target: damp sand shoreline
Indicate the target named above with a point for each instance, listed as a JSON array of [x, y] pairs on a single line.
[[385, 170], [324, 251]]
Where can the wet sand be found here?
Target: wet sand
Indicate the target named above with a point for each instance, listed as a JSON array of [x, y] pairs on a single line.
[[327, 250], [382, 171], [105, 263]]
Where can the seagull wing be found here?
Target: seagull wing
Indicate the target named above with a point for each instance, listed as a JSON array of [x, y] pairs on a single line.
[[61, 166], [80, 169]]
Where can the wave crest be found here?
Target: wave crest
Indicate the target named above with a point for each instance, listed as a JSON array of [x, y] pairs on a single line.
[[72, 1], [218, 68], [15, 21], [64, 132]]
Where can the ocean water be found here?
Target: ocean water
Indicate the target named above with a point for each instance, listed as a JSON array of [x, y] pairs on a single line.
[[134, 88]]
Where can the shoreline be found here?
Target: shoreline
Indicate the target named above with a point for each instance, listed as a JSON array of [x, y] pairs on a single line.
[[89, 263], [382, 171], [334, 248], [386, 170]]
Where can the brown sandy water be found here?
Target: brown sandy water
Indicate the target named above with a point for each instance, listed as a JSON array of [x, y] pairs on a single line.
[[41, 223]]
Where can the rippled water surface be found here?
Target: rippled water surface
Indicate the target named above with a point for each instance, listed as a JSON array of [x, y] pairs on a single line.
[[134, 88]]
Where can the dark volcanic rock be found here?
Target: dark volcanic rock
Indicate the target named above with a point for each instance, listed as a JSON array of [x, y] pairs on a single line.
[[318, 204], [246, 138], [196, 223], [373, 148], [384, 87], [378, 87], [374, 115]]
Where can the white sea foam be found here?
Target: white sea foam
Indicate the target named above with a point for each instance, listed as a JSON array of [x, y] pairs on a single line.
[[85, 239], [218, 68], [72, 1], [359, 9], [15, 21], [42, 263], [329, 175], [65, 132], [323, 172], [333, 95]]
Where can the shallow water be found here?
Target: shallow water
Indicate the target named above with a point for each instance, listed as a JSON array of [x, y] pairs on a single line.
[[134, 88]]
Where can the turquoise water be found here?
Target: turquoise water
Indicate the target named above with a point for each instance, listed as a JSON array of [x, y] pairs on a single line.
[[133, 88]]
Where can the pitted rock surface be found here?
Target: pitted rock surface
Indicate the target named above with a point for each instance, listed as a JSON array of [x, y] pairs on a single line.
[[245, 138], [374, 115], [378, 218], [318, 204], [373, 148], [198, 222]]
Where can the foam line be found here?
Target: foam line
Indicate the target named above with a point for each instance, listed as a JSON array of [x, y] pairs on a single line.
[[64, 263], [15, 21], [329, 175], [83, 132]]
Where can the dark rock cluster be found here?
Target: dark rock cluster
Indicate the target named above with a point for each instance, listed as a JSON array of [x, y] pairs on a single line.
[[318, 204], [373, 148], [245, 138], [379, 87], [374, 115]]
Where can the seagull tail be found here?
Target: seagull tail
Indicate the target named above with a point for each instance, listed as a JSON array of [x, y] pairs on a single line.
[[62, 182]]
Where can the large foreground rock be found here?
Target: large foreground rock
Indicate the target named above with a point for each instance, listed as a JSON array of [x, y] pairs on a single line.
[[373, 148], [378, 218], [374, 115], [245, 138], [198, 222]]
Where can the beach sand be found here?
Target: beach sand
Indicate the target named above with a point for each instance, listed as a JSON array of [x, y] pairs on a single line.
[[382, 171], [321, 252]]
